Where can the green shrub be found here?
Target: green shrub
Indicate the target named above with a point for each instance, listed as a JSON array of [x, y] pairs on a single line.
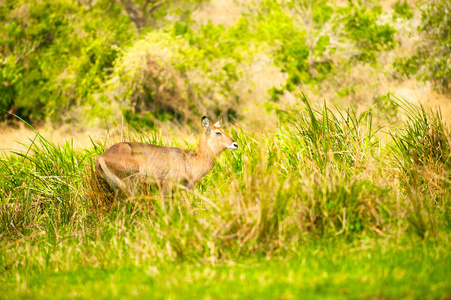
[[56, 54], [312, 39], [403, 10], [431, 60]]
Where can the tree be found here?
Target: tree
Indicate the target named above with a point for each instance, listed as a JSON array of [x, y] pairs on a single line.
[[149, 12]]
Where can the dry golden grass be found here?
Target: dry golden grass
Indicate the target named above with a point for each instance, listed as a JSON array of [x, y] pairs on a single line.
[[224, 12], [12, 138]]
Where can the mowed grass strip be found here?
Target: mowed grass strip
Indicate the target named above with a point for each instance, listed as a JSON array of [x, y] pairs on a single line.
[[322, 271]]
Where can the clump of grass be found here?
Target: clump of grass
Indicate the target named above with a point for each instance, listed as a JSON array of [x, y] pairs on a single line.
[[423, 138], [422, 150], [41, 188]]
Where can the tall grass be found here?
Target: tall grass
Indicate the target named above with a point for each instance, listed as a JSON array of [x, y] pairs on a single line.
[[421, 146], [324, 175]]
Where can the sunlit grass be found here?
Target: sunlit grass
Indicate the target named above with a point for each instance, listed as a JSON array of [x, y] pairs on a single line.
[[323, 189], [330, 269]]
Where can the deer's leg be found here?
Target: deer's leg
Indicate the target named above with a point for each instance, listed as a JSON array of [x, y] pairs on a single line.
[[114, 182], [166, 188], [188, 185]]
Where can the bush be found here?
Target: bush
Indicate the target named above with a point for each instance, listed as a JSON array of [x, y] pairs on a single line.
[[431, 60], [311, 39], [55, 54]]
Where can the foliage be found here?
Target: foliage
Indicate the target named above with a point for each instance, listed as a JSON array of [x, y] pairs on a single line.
[[64, 51], [314, 38], [67, 52], [431, 60], [212, 59], [146, 84], [151, 13], [60, 51], [403, 10], [183, 71]]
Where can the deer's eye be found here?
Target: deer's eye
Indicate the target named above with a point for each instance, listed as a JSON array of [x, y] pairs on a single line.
[[218, 132]]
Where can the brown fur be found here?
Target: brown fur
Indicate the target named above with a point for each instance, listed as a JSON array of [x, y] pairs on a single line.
[[124, 165]]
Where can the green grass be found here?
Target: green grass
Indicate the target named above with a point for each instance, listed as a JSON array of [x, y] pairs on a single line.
[[379, 270], [325, 207]]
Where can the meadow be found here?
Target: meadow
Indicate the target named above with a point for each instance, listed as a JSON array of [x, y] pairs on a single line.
[[330, 205], [340, 187]]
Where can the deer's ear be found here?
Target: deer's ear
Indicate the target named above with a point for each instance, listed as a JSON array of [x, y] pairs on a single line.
[[206, 123], [219, 123]]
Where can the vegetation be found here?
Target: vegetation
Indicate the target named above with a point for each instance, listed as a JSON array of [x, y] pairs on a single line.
[[317, 190], [318, 271], [124, 57], [431, 60], [331, 202], [58, 50]]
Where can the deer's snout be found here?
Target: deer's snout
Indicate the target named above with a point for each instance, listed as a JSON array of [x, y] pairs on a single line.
[[233, 146]]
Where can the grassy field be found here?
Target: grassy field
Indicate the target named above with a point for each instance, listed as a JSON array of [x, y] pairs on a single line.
[[328, 206], [330, 270]]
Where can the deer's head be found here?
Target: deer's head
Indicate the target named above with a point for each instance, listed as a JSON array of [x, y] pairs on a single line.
[[216, 138]]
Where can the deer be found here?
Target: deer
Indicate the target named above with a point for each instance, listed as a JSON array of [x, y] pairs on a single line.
[[125, 165]]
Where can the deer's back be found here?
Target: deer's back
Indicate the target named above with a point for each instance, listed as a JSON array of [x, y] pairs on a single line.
[[159, 162]]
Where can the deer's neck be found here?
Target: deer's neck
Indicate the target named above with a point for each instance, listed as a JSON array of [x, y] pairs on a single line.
[[203, 158]]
